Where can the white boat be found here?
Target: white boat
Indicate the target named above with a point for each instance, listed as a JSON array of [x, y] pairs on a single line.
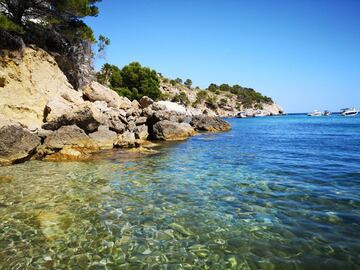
[[315, 113], [349, 112], [241, 115], [327, 113], [260, 114]]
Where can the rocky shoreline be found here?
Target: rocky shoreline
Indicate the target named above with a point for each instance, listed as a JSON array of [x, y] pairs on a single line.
[[43, 117]]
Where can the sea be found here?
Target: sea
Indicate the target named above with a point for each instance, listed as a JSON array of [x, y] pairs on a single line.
[[272, 193]]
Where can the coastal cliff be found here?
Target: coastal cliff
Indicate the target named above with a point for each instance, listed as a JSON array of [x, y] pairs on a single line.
[[43, 116]]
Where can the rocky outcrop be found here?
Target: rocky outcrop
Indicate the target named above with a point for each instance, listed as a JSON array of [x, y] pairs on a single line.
[[68, 142], [47, 118], [145, 102], [16, 143], [209, 123], [97, 92], [84, 115], [127, 139], [29, 84], [172, 131], [218, 103], [104, 137]]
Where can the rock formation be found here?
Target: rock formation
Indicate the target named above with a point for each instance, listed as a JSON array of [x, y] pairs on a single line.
[[221, 103], [16, 142], [46, 118]]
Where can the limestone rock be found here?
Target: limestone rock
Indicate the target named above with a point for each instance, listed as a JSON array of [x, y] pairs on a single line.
[[30, 83], [171, 131], [170, 106], [127, 139], [67, 137], [209, 123], [131, 126], [16, 143], [115, 119], [97, 92], [104, 137], [56, 108], [85, 116], [140, 120], [145, 102], [141, 132]]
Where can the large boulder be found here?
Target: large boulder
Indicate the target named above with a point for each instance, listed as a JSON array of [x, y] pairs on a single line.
[[115, 119], [16, 143], [145, 102], [169, 106], [209, 123], [104, 137], [171, 131], [85, 116], [68, 142], [97, 92], [127, 139], [141, 132], [56, 108]]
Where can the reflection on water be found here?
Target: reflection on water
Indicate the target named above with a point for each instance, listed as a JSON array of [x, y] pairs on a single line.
[[270, 194]]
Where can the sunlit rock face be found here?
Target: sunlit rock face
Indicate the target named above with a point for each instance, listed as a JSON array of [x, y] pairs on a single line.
[[16, 143], [28, 85]]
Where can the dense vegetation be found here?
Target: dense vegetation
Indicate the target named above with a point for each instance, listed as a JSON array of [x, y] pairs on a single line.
[[132, 81], [63, 16], [248, 96]]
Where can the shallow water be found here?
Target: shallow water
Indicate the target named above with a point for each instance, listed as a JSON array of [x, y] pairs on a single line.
[[273, 193]]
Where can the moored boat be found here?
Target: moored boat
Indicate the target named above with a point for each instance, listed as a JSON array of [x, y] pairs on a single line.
[[260, 113], [241, 115], [349, 111], [315, 113], [327, 113]]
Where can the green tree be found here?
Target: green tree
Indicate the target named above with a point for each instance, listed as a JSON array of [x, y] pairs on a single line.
[[103, 42], [213, 87], [178, 80], [132, 81], [65, 15], [142, 79], [225, 87], [188, 83], [181, 98]]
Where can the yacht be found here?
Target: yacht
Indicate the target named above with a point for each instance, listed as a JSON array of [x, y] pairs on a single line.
[[260, 114], [315, 113], [241, 115], [349, 112], [327, 113]]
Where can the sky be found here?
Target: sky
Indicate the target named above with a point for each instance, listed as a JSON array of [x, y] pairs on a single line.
[[304, 54]]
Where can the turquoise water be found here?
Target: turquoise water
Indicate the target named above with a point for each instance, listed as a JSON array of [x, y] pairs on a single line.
[[273, 193]]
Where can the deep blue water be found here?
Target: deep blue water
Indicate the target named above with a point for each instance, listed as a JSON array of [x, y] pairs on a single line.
[[273, 193]]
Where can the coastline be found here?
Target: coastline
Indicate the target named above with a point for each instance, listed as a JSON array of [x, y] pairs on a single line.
[[43, 117]]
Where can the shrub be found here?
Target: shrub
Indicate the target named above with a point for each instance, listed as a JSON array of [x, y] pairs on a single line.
[[188, 83], [8, 25], [213, 87], [181, 98], [211, 102], [223, 102], [178, 80], [200, 97]]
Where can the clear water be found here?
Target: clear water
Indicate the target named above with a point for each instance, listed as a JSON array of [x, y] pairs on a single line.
[[273, 193]]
